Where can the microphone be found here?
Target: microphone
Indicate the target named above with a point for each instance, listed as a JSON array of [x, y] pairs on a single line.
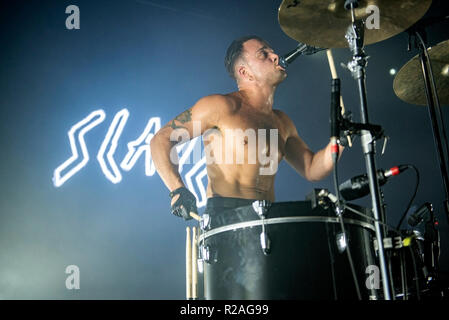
[[334, 117], [302, 48], [418, 216], [358, 187]]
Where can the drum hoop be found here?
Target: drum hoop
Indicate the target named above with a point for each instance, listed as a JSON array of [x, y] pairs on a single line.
[[253, 223]]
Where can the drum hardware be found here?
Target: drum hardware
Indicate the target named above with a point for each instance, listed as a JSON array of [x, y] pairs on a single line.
[[208, 254], [341, 238], [317, 198], [261, 207], [341, 242], [205, 222], [204, 251], [355, 39], [274, 221], [325, 199], [416, 83], [200, 262]]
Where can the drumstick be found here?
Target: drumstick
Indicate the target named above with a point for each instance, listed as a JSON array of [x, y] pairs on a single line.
[[195, 216], [194, 265], [330, 58], [188, 265]]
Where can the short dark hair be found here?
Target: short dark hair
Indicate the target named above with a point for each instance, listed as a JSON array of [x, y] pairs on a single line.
[[235, 50]]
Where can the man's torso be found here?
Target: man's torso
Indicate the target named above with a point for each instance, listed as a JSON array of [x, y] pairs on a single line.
[[243, 151]]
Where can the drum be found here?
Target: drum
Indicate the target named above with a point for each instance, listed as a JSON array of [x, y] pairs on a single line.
[[305, 258], [408, 266]]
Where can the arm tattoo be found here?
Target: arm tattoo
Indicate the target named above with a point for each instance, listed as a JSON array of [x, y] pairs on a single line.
[[184, 117]]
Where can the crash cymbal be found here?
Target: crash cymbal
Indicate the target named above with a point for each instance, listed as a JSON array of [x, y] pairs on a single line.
[[409, 83], [323, 23]]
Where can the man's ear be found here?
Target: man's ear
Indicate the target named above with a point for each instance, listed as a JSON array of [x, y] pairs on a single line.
[[244, 73]]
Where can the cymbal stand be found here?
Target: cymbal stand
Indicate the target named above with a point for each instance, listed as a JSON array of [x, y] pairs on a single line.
[[355, 38], [435, 114]]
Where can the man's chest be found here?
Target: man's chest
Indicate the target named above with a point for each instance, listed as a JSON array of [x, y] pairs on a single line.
[[253, 131]]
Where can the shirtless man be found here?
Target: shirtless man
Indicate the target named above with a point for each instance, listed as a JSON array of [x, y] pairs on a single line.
[[255, 67]]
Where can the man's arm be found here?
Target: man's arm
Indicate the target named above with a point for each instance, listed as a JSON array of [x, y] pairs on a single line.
[[312, 166], [205, 114]]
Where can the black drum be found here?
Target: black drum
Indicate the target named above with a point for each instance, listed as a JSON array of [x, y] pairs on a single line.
[[409, 272], [306, 258]]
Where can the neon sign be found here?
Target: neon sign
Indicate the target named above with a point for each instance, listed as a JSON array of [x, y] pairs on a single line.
[[136, 148]]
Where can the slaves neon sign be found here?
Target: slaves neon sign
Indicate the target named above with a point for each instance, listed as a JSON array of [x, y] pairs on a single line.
[[136, 148]]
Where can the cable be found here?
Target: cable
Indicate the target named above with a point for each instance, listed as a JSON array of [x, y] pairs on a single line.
[[339, 214], [413, 197]]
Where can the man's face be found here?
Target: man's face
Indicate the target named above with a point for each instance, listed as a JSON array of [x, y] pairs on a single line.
[[262, 63]]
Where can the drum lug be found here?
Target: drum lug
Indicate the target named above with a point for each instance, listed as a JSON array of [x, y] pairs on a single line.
[[205, 222], [206, 254], [261, 207], [200, 265], [341, 242], [265, 243]]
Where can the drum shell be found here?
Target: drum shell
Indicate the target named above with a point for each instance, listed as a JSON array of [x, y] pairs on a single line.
[[304, 261], [409, 262]]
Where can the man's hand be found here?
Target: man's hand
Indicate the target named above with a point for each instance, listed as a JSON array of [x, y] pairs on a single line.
[[183, 202]]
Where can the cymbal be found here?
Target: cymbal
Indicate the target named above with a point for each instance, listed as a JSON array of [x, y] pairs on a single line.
[[323, 23], [409, 83]]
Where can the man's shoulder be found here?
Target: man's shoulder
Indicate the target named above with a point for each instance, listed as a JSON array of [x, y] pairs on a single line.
[[282, 116], [285, 120], [221, 103], [217, 100]]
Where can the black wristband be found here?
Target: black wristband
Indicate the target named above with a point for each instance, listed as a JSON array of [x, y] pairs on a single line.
[[178, 191], [185, 204]]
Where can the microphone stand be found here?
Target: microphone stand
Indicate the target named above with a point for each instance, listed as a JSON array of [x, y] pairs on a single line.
[[355, 37]]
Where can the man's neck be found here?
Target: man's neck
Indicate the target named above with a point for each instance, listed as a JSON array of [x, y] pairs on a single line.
[[258, 97]]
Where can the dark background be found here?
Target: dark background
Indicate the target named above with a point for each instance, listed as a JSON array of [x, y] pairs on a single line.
[[156, 58]]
